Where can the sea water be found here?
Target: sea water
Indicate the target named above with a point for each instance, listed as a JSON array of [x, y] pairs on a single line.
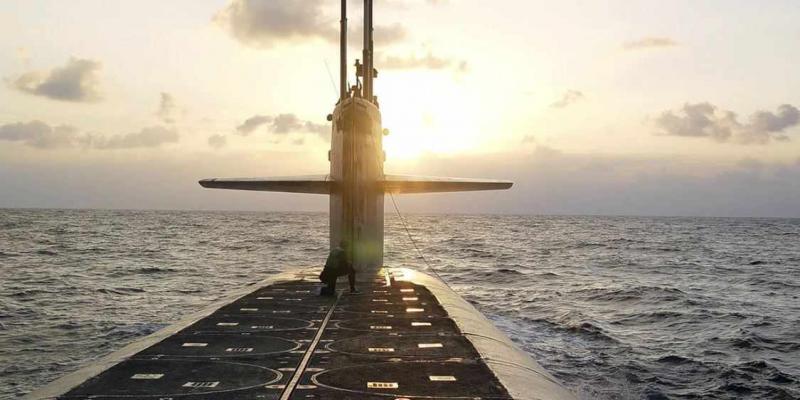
[[614, 307]]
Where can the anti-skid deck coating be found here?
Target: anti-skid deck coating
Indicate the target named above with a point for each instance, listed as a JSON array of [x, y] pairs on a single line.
[[283, 341]]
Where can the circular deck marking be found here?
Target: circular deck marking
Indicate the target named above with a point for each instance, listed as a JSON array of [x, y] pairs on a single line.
[[207, 345], [247, 324], [404, 346], [268, 307], [180, 378], [451, 380], [397, 308], [401, 325]]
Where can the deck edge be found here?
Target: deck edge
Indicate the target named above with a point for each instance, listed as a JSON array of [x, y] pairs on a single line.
[[64, 384], [523, 377]]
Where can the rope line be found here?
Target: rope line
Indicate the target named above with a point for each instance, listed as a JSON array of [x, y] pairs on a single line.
[[414, 242]]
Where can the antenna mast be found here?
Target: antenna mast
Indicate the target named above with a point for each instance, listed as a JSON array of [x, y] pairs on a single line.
[[368, 52], [343, 53]]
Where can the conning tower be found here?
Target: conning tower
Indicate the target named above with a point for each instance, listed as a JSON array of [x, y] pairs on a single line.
[[356, 182]]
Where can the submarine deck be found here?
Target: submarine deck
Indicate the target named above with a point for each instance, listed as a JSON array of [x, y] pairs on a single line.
[[394, 339]]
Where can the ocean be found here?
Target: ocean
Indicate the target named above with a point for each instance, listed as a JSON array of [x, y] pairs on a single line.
[[615, 307]]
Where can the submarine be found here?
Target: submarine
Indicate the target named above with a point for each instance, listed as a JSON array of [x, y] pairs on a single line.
[[405, 335]]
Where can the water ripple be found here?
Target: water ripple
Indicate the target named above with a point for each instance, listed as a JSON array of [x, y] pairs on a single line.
[[615, 307]]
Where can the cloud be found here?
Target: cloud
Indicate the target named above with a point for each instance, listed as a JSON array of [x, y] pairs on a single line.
[[546, 181], [649, 43], [386, 34], [405, 4], [153, 136], [265, 23], [283, 124], [252, 123], [765, 121], [429, 61], [570, 97], [382, 34], [217, 141], [43, 136], [290, 123], [167, 109], [40, 135], [707, 120], [76, 81]]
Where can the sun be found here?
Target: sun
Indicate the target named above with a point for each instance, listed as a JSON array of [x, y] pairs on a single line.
[[433, 115]]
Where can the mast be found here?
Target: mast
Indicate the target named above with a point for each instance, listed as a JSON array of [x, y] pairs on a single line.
[[368, 52], [343, 53]]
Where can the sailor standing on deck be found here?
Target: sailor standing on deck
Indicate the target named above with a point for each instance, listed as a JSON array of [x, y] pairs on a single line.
[[338, 264]]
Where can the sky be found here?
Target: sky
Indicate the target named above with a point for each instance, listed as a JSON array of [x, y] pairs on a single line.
[[590, 107]]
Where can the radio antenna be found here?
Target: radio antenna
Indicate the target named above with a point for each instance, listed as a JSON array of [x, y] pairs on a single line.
[[343, 53], [368, 52]]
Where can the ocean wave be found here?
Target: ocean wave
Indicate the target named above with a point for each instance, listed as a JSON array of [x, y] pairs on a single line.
[[628, 307], [120, 290], [675, 360], [46, 252], [652, 293], [154, 270]]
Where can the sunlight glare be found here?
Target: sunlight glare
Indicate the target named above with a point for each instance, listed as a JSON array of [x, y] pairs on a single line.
[[434, 116]]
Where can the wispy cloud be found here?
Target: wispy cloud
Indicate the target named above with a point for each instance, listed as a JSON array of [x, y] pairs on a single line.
[[251, 124], [569, 98], [412, 61], [43, 136], [265, 23], [39, 134], [167, 108], [708, 121], [76, 81], [153, 136], [283, 124], [217, 141], [262, 23], [649, 43], [382, 34]]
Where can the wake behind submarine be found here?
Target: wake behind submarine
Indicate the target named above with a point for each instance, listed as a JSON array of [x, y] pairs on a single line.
[[405, 335]]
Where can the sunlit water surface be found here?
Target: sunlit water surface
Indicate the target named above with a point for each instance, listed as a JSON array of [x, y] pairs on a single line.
[[615, 307]]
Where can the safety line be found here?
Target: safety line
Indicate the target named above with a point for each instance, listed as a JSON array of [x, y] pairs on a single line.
[[414, 242]]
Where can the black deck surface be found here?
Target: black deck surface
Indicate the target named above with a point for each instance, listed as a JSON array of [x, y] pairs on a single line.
[[285, 342]]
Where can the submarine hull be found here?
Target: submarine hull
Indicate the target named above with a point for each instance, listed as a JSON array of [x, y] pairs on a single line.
[[405, 335]]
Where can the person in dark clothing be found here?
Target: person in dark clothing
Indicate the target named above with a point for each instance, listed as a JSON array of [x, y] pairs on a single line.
[[338, 264]]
